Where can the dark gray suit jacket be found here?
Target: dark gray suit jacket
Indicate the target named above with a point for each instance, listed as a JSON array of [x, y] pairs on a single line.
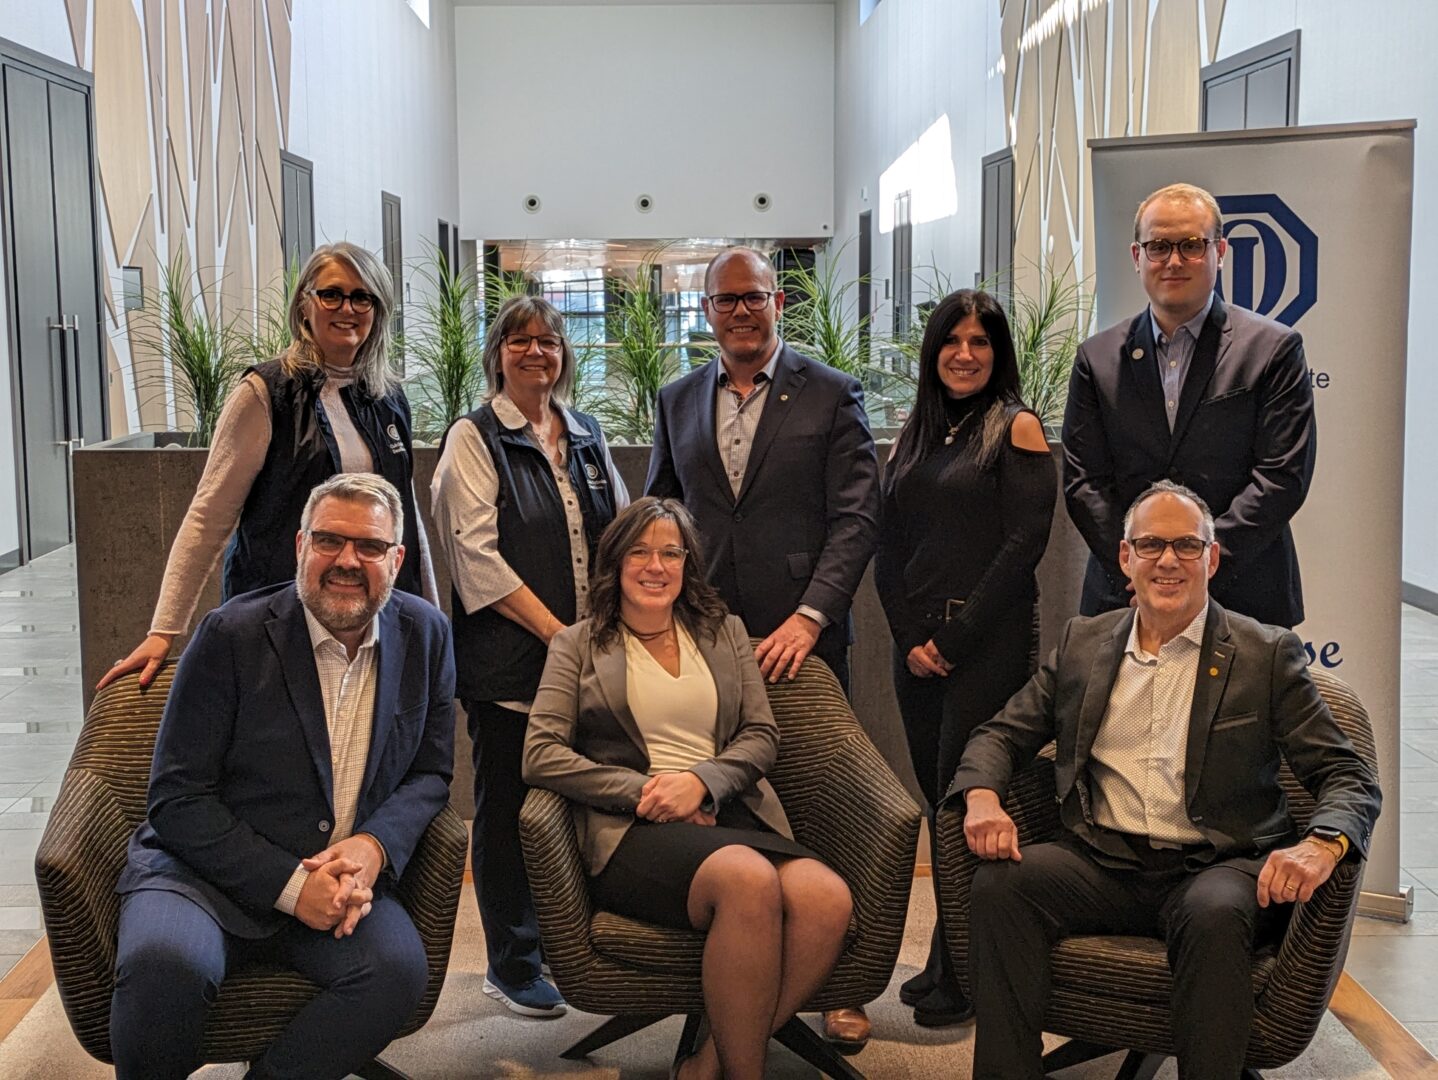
[[582, 740], [1243, 438], [806, 521], [1253, 699]]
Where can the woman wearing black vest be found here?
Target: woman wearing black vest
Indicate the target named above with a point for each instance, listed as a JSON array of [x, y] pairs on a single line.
[[330, 403], [523, 489], [968, 498]]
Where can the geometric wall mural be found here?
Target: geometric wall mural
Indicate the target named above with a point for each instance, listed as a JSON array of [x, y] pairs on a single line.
[[1076, 70], [191, 112]]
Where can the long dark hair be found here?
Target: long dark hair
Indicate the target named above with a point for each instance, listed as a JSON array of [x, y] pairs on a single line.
[[926, 426], [697, 607]]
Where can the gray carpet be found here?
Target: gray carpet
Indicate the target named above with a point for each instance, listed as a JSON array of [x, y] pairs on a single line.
[[473, 1036]]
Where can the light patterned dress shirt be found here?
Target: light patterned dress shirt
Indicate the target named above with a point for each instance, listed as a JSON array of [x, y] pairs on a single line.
[[1138, 755], [1174, 356], [347, 688]]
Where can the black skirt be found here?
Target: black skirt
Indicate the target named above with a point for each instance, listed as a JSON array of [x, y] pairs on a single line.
[[648, 876]]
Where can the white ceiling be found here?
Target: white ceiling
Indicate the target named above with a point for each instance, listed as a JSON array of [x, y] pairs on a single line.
[[619, 3]]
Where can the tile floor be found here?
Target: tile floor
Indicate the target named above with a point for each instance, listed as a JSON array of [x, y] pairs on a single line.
[[40, 716]]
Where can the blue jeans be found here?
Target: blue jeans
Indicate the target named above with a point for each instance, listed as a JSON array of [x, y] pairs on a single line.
[[172, 959]]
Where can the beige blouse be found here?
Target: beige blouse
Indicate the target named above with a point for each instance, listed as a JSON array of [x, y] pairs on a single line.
[[676, 714], [237, 453]]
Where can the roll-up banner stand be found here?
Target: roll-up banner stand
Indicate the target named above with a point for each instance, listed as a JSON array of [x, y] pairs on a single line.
[[1319, 228]]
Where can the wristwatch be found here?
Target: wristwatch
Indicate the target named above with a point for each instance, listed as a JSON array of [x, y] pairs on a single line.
[[1330, 839]]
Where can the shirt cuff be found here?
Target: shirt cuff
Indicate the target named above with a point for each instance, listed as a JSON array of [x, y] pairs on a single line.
[[815, 614], [291, 895]]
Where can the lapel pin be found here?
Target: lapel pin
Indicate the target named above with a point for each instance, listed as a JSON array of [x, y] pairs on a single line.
[[1213, 671], [783, 397], [1137, 354]]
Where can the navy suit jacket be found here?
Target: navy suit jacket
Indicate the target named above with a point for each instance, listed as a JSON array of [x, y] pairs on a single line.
[[805, 523], [1244, 438], [241, 786]]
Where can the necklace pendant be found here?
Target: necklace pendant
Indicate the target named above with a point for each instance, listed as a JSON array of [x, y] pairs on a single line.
[[949, 439]]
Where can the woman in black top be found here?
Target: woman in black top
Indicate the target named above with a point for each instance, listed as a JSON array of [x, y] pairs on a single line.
[[968, 500]]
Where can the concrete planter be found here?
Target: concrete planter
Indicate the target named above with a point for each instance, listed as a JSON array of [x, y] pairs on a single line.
[[131, 494]]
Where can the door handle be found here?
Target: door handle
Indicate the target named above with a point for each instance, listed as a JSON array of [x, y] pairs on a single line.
[[59, 399]]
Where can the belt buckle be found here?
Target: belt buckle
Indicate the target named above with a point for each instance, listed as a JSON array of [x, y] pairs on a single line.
[[951, 609]]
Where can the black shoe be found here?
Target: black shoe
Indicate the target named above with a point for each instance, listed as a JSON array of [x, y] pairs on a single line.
[[944, 1005], [912, 991]]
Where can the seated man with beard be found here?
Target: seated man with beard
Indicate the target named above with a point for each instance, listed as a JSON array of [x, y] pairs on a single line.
[[306, 745]]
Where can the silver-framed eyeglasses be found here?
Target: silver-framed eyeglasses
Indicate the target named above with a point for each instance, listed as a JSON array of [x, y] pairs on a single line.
[[1190, 248], [670, 557], [334, 299], [726, 302], [548, 343], [1186, 548], [367, 548]]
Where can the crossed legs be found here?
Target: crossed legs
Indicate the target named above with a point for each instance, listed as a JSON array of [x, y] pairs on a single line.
[[775, 931]]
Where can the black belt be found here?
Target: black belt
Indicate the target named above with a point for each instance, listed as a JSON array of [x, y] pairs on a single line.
[[949, 613]]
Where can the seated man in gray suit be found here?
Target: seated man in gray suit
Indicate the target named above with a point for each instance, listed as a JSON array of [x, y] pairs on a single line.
[[1169, 722]]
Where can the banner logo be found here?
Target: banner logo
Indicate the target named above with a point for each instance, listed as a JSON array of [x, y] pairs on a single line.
[[1272, 261]]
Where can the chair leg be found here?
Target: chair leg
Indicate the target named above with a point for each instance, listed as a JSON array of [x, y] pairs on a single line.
[[612, 1030], [1075, 1052], [1250, 1074], [378, 1070], [1139, 1066], [689, 1037], [805, 1041]]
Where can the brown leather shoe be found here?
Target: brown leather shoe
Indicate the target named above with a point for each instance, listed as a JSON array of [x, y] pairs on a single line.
[[846, 1030]]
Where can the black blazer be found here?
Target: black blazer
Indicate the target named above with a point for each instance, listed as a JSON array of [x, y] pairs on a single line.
[[241, 786], [1260, 702], [1244, 439], [806, 521]]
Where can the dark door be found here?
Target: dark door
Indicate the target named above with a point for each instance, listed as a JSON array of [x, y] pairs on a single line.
[[57, 363]]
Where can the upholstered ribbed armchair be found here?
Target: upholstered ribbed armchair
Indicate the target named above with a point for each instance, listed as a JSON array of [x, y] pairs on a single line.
[[842, 801], [1112, 993], [102, 800]]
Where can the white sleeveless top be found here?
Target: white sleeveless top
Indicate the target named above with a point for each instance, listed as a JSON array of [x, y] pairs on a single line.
[[676, 715]]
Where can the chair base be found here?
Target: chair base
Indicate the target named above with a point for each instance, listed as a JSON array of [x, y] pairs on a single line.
[[1137, 1065], [796, 1035]]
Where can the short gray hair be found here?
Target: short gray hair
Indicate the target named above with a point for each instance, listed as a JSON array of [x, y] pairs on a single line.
[[357, 487], [513, 316], [1168, 487], [372, 368]]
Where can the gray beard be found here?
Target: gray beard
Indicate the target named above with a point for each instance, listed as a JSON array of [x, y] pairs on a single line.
[[341, 615]]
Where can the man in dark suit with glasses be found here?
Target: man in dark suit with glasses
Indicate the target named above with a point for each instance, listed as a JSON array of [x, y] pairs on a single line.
[[1200, 392]]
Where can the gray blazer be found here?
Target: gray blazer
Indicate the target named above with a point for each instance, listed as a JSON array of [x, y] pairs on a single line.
[[583, 742], [1252, 701]]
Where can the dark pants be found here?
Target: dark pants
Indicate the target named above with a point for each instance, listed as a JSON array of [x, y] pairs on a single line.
[[511, 930], [1210, 920], [172, 959]]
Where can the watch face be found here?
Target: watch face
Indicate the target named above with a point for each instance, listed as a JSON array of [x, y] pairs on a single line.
[[1325, 833]]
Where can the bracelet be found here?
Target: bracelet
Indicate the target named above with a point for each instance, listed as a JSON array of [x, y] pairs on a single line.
[[1333, 847]]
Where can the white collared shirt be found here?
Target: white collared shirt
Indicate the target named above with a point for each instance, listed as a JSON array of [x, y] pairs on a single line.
[[1138, 756], [347, 689]]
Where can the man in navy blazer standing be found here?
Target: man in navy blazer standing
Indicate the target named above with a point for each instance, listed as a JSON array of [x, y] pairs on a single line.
[[771, 453], [306, 745], [1199, 392]]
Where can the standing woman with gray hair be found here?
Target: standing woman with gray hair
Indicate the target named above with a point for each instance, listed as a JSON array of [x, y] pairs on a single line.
[[524, 488], [328, 404]]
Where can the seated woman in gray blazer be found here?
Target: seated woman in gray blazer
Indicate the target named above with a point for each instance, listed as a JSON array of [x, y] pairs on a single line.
[[652, 719]]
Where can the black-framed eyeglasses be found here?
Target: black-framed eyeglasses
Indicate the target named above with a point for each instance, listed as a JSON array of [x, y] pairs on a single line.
[[1190, 248], [640, 555], [367, 548], [1186, 548], [334, 299], [726, 302], [548, 343]]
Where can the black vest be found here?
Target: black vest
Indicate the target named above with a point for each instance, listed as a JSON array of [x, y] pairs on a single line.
[[303, 453], [495, 658]]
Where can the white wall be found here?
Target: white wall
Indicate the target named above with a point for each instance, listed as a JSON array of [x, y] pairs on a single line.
[[701, 107], [911, 64], [373, 107], [44, 27], [1373, 62]]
